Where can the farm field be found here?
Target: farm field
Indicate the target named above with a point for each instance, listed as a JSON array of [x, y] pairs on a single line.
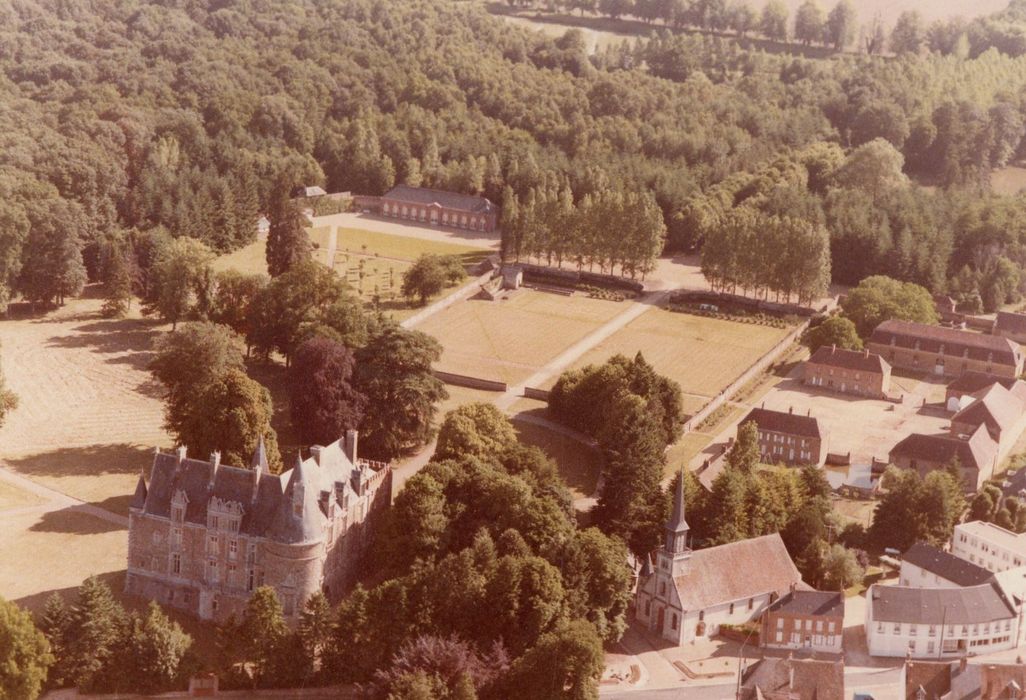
[[703, 355], [510, 340], [90, 414]]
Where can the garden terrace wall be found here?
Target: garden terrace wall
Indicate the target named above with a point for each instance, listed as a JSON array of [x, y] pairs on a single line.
[[747, 303], [571, 278], [471, 382]]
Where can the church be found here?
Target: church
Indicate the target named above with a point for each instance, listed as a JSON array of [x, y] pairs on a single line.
[[202, 535], [688, 594]]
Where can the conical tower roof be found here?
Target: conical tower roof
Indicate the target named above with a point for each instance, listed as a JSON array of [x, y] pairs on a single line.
[[259, 456]]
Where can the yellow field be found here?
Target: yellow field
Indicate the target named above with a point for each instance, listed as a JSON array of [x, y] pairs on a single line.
[[510, 340], [13, 497], [703, 355]]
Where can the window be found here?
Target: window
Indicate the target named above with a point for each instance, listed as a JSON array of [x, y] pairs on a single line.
[[819, 625], [751, 603], [780, 623], [233, 549], [897, 628], [213, 575], [212, 544], [231, 574], [780, 637], [913, 630], [673, 625], [249, 585], [213, 522], [176, 563], [701, 615], [176, 537], [932, 631], [251, 554], [176, 513], [929, 647]]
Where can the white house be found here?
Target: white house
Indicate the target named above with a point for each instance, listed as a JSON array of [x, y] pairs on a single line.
[[689, 594], [923, 566], [992, 547], [936, 623]]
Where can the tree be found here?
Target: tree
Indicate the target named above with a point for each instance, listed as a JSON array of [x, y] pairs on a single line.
[[773, 21], [118, 280], [323, 404], [263, 631], [425, 278], [230, 415], [8, 399], [565, 664], [234, 294], [315, 623], [476, 429], [615, 8], [24, 654], [837, 331], [840, 25], [916, 510], [841, 568], [744, 455], [155, 652], [879, 298], [808, 23], [394, 373], [52, 268], [743, 17], [98, 625], [186, 361], [909, 33], [874, 168], [179, 270], [597, 581], [288, 243]]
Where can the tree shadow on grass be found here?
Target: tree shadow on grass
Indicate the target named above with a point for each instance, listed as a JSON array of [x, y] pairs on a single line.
[[75, 520], [93, 460], [35, 602], [130, 339]]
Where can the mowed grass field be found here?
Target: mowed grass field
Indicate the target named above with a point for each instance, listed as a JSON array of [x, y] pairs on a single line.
[[703, 355], [512, 339]]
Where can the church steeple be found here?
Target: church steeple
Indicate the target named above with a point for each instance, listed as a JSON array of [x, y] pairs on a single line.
[[677, 527]]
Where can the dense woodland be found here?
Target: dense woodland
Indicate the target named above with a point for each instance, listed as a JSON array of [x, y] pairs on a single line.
[[190, 117]]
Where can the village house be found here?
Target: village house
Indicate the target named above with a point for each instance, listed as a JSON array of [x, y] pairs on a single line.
[[962, 391], [203, 535], [860, 373], [810, 620], [976, 455], [924, 566], [788, 438], [688, 594], [436, 207], [961, 680], [933, 623], [793, 679], [1010, 325], [945, 351], [999, 411]]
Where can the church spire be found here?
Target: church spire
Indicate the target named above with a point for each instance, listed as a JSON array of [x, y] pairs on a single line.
[[677, 527]]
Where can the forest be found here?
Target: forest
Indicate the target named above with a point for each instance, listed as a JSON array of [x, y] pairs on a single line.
[[189, 116]]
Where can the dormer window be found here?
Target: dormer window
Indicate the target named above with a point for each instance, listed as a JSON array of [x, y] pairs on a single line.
[[177, 514]]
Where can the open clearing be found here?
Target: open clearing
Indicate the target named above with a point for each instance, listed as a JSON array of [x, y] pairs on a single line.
[[510, 340], [579, 465], [89, 414], [703, 355], [1010, 180]]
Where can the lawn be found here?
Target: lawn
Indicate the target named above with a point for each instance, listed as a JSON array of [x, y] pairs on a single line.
[[13, 497], [579, 465], [703, 355], [510, 340], [1009, 180]]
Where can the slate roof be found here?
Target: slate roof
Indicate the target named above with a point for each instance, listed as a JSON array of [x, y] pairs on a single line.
[[946, 565], [994, 407], [977, 452], [935, 679], [935, 606], [1010, 322], [955, 342], [859, 361], [783, 422], [736, 571], [449, 200], [971, 382], [822, 603], [814, 679], [994, 534]]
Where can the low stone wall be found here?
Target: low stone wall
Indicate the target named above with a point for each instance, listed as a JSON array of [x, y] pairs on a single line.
[[756, 305], [471, 382], [534, 393], [555, 275]]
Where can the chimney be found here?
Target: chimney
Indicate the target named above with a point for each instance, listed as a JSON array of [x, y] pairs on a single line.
[[350, 445], [215, 462], [867, 352], [315, 452]]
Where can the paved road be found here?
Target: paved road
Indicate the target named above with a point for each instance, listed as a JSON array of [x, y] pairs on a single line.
[[55, 500]]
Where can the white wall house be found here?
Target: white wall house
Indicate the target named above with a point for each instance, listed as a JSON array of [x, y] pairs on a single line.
[[936, 623], [924, 566], [988, 545]]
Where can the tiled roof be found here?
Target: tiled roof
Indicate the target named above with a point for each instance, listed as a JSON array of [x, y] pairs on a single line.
[[935, 606], [783, 422], [954, 342], [970, 382], [449, 200], [823, 603], [813, 679], [1011, 322], [977, 452], [994, 407], [946, 565], [933, 678], [860, 361], [736, 571]]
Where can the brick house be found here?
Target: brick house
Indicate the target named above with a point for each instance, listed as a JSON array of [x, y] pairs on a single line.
[[436, 207], [688, 594], [945, 351], [788, 438], [811, 620], [203, 535], [861, 373], [977, 455], [1010, 325]]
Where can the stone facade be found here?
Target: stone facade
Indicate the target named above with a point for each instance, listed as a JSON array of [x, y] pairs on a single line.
[[788, 438], [860, 373], [945, 351], [203, 536], [435, 207], [811, 620]]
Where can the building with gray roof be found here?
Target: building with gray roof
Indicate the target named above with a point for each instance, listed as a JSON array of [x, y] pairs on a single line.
[[204, 535]]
